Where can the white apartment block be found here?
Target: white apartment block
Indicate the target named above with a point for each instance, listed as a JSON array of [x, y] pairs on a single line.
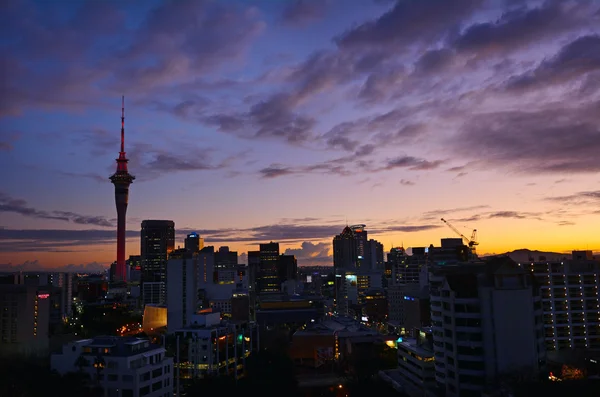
[[122, 366], [416, 366], [192, 282], [486, 322], [209, 347], [570, 301]]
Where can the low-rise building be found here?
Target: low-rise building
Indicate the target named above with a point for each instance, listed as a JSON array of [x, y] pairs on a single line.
[[209, 346], [122, 366], [416, 366]]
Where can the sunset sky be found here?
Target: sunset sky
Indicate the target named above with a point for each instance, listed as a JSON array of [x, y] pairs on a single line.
[[252, 121]]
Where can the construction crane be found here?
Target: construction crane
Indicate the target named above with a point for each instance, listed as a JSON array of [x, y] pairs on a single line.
[[472, 242]]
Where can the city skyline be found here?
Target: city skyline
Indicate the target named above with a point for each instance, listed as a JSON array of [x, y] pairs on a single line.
[[251, 122]]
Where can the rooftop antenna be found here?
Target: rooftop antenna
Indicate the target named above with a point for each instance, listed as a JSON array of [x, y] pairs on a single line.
[[123, 124]]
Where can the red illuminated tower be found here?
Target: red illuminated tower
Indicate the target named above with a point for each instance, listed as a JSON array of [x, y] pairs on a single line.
[[121, 179]]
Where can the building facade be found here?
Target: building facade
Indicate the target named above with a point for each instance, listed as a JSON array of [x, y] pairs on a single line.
[[122, 366], [24, 325], [474, 307], [157, 242], [570, 301]]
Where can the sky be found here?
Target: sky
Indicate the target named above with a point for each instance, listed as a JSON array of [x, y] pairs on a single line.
[[274, 120]]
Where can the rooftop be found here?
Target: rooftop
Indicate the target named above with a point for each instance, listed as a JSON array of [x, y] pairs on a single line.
[[342, 326], [411, 345], [115, 346]]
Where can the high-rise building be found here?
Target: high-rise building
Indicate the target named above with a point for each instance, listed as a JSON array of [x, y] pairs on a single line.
[[287, 268], [24, 325], [570, 301], [157, 242], [474, 309], [374, 256], [362, 242], [267, 278], [344, 250], [193, 242], [405, 268], [121, 179]]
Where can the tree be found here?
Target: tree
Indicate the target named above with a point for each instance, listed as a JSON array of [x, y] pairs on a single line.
[[270, 373]]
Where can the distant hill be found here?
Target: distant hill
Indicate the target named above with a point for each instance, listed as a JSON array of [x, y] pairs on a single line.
[[524, 255]]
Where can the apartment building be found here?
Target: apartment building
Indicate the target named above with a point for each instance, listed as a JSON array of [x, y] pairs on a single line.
[[570, 301], [486, 323], [25, 319], [122, 366], [416, 367]]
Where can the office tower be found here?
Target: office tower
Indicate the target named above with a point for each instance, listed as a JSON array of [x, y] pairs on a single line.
[[25, 319], [374, 256], [570, 301], [406, 269], [287, 268], [182, 284], [360, 236], [253, 265], [157, 242], [486, 322], [267, 278], [344, 250], [121, 179], [193, 242]]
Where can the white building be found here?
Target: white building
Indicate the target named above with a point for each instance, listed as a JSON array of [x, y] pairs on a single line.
[[123, 366], [416, 367], [486, 322], [570, 301], [208, 346], [194, 284]]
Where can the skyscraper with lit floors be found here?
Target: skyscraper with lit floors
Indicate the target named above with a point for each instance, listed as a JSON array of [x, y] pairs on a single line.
[[570, 301]]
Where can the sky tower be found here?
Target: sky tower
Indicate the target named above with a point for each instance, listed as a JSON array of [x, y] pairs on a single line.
[[121, 179]]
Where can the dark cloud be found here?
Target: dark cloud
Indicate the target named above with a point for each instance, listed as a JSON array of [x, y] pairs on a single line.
[[411, 163], [273, 118], [508, 214], [559, 139], [407, 228], [56, 240], [275, 171], [433, 61], [586, 197], [438, 213], [518, 27], [574, 61], [409, 22], [146, 161], [95, 50], [406, 182], [311, 253], [302, 12], [35, 265], [18, 206]]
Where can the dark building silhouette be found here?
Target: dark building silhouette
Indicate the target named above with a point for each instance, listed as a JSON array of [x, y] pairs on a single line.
[[344, 250], [287, 268], [193, 242], [121, 179], [225, 259], [268, 275], [157, 242]]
